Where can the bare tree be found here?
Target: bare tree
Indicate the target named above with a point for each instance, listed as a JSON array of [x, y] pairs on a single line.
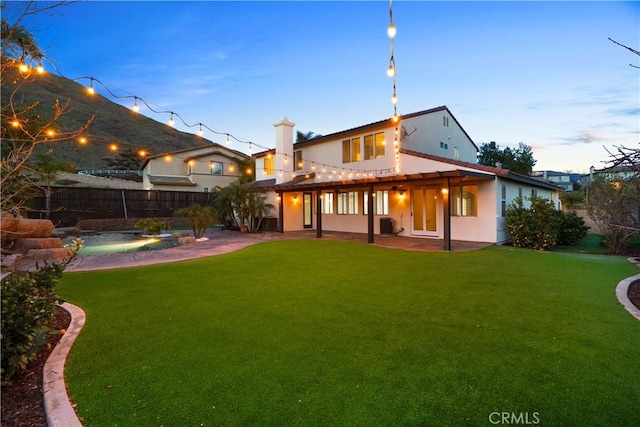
[[614, 203], [25, 126], [628, 48]]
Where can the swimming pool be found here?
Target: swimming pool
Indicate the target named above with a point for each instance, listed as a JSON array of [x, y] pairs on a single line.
[[103, 243]]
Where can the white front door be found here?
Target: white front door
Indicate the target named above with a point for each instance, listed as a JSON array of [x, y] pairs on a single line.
[[424, 202]]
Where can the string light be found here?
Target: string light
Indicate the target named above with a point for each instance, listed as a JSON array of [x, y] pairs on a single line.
[[391, 72], [334, 174], [90, 89]]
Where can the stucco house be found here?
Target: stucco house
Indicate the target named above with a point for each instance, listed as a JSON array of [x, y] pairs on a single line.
[[356, 181], [199, 169]]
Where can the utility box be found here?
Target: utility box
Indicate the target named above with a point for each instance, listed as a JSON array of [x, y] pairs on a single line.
[[386, 225]]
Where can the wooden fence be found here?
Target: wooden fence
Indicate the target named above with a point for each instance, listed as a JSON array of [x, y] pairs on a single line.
[[68, 205]]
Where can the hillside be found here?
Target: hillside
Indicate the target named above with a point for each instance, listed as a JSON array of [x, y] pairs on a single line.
[[112, 123]]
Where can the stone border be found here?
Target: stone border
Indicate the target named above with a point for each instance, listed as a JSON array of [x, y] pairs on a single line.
[[622, 292], [57, 406]]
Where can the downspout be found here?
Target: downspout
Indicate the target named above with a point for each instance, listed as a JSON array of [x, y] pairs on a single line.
[[124, 205], [318, 214], [447, 216]]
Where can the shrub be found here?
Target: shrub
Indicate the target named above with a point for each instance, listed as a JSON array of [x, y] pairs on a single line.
[[572, 229], [200, 217], [152, 226], [533, 227], [27, 306]]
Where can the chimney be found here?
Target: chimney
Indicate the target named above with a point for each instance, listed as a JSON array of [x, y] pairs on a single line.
[[284, 147]]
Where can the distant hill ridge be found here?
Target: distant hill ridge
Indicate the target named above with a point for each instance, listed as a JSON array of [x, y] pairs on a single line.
[[112, 123]]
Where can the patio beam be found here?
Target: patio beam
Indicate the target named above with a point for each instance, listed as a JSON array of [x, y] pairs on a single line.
[[370, 215], [447, 215], [318, 213], [280, 212]]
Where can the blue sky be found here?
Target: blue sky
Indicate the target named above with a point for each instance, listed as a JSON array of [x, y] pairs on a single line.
[[542, 73]]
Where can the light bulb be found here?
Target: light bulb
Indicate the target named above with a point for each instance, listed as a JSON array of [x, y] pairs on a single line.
[[391, 31], [90, 89], [200, 131], [24, 68], [40, 68], [171, 121], [390, 71], [136, 107], [394, 99], [228, 142]]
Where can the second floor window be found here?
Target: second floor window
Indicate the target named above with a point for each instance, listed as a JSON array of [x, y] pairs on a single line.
[[374, 146], [216, 168], [297, 160], [269, 165], [351, 150]]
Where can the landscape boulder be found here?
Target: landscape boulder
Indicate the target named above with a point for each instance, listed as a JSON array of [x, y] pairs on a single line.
[[25, 245]]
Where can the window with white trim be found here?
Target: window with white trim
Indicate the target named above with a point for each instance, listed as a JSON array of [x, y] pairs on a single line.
[[348, 203], [327, 203], [380, 203], [216, 168], [464, 200]]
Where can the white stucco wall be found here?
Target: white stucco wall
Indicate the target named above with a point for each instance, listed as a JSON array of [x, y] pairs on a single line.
[[425, 133]]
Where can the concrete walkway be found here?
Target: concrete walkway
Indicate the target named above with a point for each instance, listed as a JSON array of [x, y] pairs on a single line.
[[223, 241]]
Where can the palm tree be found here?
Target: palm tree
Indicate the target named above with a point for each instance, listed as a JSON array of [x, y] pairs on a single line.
[[18, 42]]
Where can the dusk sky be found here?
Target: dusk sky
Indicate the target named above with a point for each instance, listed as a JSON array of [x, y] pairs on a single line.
[[541, 73]]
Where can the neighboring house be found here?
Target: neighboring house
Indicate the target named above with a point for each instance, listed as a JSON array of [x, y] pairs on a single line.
[[349, 181], [566, 180], [613, 174], [199, 169]]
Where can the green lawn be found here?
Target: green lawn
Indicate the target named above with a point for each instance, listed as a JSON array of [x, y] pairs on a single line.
[[341, 333]]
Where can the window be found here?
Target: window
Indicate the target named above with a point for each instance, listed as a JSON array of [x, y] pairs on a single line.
[[380, 144], [380, 204], [297, 160], [445, 121], [464, 200], [348, 203], [444, 145], [456, 153], [351, 150], [346, 151], [327, 203], [374, 146], [534, 193], [355, 150], [269, 165], [504, 201], [190, 167], [368, 147], [520, 192], [216, 168]]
